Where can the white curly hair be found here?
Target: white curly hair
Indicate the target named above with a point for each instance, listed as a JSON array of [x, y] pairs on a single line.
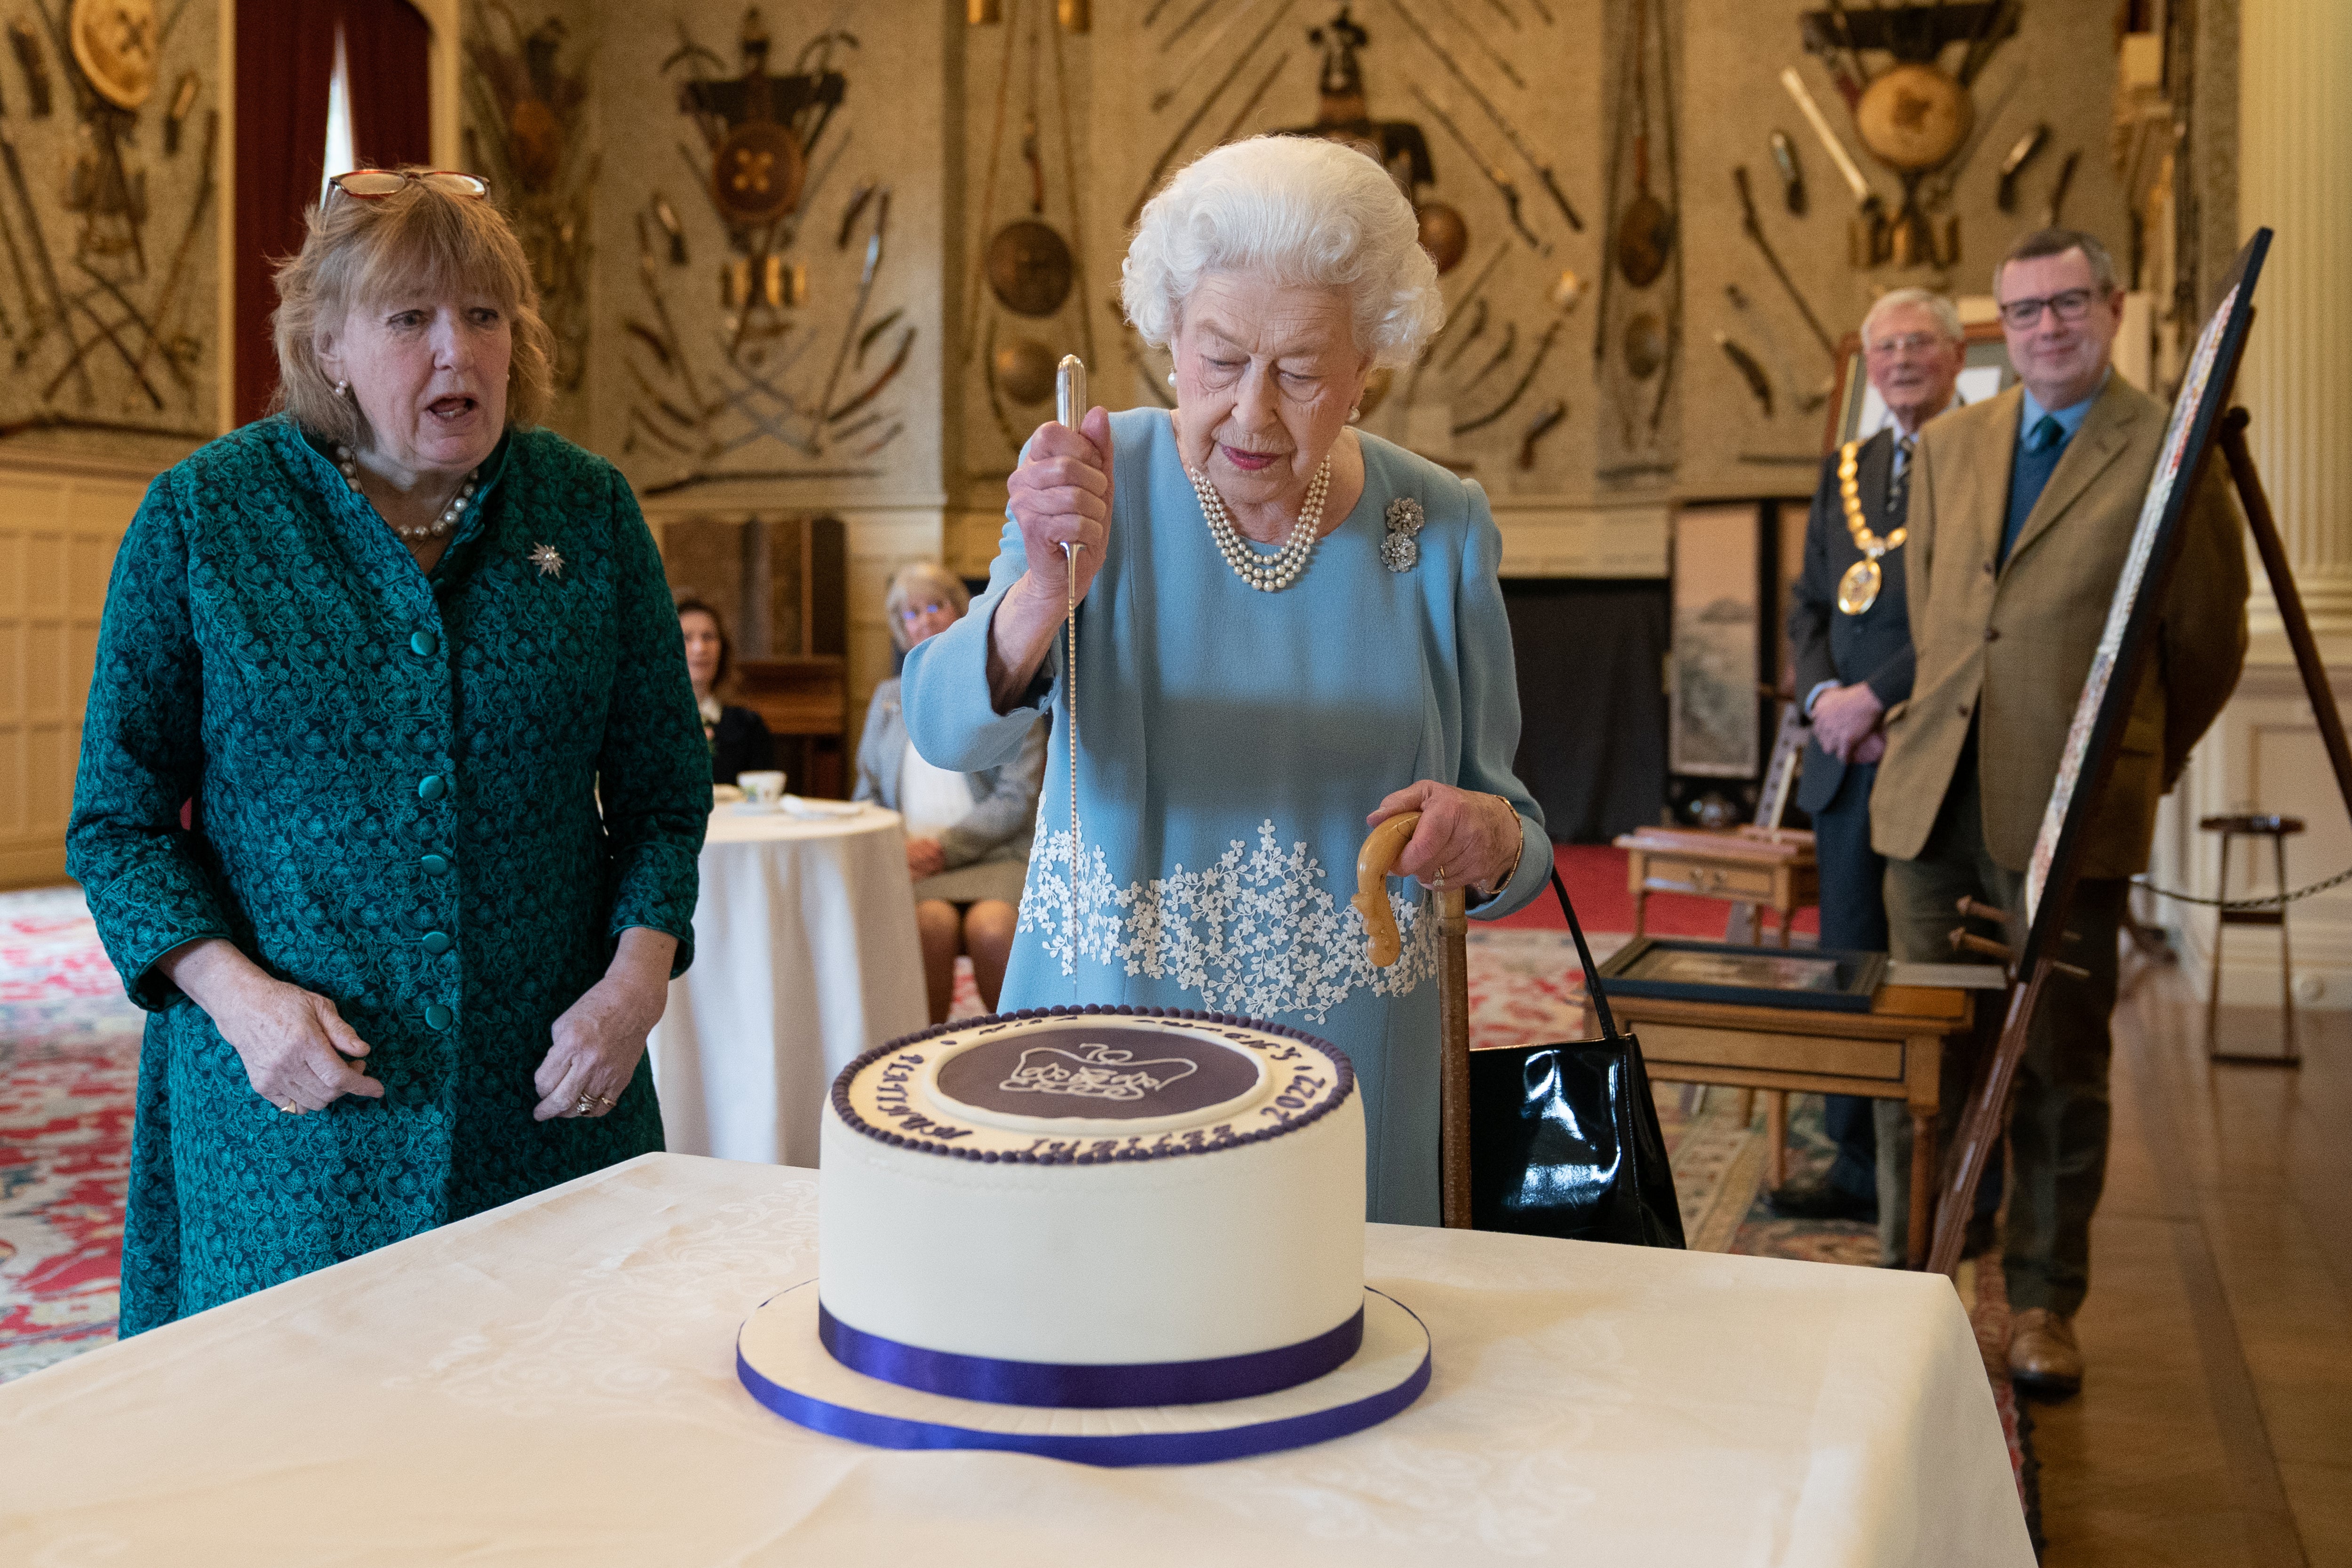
[[1305, 210]]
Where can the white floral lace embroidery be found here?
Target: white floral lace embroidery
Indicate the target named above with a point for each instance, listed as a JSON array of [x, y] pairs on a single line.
[[1255, 933]]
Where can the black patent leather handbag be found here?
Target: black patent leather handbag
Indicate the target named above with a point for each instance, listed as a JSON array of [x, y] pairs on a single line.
[[1564, 1139]]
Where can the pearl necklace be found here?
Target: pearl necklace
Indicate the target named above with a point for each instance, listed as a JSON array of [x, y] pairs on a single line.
[[440, 525], [1267, 575]]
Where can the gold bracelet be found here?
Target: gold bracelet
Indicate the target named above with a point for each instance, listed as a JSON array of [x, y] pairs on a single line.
[[1489, 889]]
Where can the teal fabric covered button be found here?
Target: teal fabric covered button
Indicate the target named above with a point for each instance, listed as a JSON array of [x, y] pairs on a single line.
[[437, 942], [424, 645], [435, 865], [432, 786], [437, 1016]]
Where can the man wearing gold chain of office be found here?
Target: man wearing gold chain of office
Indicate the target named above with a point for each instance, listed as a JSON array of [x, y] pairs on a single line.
[[1851, 632]]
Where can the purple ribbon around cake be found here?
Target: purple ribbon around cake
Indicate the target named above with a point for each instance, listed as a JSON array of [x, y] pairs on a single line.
[[1077, 1386]]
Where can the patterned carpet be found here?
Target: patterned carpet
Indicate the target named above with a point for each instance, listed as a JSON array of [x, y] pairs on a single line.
[[68, 1061], [68, 1058]]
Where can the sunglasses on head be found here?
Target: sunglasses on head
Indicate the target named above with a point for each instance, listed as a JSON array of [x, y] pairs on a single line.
[[374, 184]]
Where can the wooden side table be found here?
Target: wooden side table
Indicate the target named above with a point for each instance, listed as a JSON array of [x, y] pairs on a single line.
[[1895, 1051], [1766, 869]]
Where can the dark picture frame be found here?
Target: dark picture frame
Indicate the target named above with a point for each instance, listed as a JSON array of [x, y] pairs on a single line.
[[2096, 736], [1985, 372], [1678, 969]]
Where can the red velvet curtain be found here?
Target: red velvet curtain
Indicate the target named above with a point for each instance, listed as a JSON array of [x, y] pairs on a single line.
[[385, 41], [284, 60]]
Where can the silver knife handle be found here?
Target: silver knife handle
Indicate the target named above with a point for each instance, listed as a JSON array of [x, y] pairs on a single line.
[[1070, 392]]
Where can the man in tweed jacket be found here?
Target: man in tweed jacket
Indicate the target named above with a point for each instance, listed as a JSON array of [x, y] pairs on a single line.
[[2021, 515]]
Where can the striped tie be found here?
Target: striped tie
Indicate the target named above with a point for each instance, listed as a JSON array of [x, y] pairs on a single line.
[[1899, 486]]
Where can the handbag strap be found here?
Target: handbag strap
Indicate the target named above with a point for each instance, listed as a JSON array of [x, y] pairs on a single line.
[[1592, 975]]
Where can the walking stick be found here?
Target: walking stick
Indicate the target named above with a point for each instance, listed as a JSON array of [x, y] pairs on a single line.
[[1371, 901]]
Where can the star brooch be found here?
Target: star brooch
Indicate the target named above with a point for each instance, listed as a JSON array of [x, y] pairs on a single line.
[[549, 563], [1400, 549]]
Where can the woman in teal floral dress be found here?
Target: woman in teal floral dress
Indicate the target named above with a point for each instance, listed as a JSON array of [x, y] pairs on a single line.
[[413, 664]]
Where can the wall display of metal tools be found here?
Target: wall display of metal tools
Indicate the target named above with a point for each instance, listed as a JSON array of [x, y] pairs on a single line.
[[1434, 92], [1509, 123], [1912, 115], [108, 300], [1030, 270], [763, 322], [526, 92], [1638, 328], [1444, 95]]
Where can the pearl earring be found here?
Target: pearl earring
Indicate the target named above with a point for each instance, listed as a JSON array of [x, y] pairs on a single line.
[[1171, 378], [1355, 413], [343, 389]]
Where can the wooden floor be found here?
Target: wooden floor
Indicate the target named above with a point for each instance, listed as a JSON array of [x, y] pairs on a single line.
[[2215, 1426]]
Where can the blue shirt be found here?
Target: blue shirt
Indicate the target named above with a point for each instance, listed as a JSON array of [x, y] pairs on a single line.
[[2032, 466], [2070, 419]]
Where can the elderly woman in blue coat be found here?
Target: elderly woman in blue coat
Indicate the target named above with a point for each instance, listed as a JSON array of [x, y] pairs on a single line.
[[1287, 629], [414, 663], [967, 834]]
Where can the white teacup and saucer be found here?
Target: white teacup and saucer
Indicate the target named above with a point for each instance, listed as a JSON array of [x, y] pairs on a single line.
[[763, 792]]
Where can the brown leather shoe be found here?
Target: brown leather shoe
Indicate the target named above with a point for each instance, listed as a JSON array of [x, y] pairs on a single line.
[[2044, 1359]]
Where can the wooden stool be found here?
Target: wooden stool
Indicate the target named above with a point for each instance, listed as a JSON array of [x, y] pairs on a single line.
[[1755, 867], [2275, 829]]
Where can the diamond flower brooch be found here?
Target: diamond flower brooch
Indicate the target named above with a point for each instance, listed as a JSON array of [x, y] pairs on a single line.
[[1399, 547]]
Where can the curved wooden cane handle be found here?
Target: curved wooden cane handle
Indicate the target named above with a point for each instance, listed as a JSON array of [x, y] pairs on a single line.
[[1379, 852], [1373, 864]]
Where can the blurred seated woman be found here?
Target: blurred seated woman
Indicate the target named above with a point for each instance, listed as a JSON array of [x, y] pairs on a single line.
[[967, 834], [738, 737]]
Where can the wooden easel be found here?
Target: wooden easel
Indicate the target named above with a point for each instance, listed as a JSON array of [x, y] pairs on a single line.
[[1987, 1105]]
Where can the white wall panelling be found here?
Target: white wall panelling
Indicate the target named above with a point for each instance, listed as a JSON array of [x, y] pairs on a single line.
[[60, 526]]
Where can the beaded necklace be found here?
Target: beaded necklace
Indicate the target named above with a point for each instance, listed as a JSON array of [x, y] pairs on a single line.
[[443, 525], [1267, 575]]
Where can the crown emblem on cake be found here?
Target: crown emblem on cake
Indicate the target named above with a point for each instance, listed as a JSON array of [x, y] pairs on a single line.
[[1094, 1072]]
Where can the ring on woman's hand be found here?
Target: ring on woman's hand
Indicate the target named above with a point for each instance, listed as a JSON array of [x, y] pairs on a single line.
[[291, 1109], [607, 1100], [587, 1103]]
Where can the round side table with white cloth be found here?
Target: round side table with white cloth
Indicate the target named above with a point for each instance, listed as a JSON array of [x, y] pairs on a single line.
[[805, 957]]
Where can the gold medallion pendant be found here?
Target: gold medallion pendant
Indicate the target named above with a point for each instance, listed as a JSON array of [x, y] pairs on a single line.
[[1858, 589]]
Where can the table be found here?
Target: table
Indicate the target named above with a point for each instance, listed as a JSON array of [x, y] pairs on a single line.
[[1895, 1051], [805, 956], [1749, 867], [553, 1383]]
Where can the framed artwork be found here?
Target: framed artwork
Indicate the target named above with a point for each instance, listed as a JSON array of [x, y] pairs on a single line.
[[1685, 970], [1713, 728], [1857, 411], [2101, 712]]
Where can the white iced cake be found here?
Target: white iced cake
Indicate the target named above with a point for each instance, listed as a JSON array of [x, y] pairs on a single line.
[[1097, 1206]]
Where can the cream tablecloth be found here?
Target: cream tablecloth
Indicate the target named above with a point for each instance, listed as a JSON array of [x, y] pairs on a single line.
[[805, 956], [553, 1383]]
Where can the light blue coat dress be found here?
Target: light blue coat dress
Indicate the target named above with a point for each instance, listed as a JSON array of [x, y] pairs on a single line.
[[1230, 745]]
